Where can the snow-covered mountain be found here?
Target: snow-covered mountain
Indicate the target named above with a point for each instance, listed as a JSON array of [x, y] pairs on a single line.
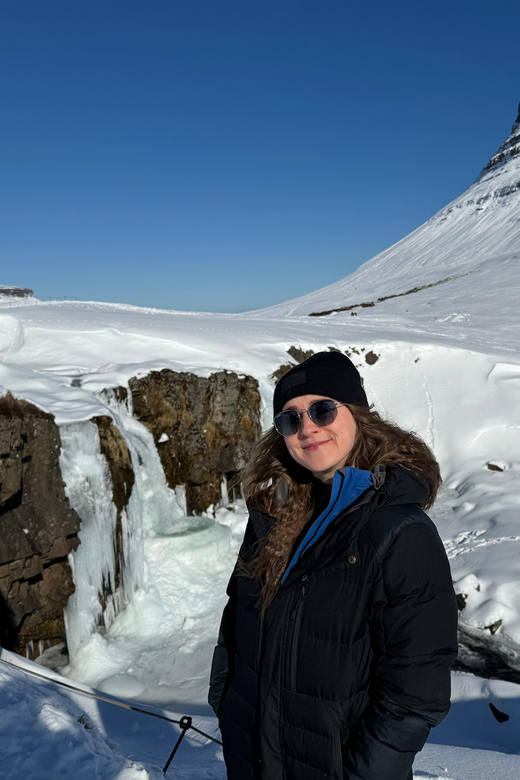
[[466, 259]]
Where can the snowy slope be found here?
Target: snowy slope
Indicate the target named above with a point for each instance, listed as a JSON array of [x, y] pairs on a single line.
[[49, 732], [471, 248]]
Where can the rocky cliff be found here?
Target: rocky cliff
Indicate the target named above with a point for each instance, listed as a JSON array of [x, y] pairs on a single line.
[[37, 530], [509, 149], [203, 428]]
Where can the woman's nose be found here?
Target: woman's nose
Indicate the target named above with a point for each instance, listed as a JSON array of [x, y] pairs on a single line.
[[307, 426]]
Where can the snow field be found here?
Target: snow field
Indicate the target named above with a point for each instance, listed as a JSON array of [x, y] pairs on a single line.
[[456, 397]]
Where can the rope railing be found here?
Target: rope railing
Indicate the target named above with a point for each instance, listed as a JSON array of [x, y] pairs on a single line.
[[185, 723]]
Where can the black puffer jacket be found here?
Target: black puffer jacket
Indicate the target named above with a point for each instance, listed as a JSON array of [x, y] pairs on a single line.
[[350, 668]]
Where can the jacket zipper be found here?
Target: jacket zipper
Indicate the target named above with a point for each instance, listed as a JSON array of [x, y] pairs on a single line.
[[296, 615], [296, 573]]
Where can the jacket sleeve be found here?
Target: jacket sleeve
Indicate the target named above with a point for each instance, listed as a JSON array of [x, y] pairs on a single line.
[[414, 628], [223, 663]]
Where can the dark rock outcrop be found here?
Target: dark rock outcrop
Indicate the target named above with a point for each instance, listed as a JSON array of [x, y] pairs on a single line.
[[298, 355], [15, 292], [38, 529], [510, 148], [203, 428]]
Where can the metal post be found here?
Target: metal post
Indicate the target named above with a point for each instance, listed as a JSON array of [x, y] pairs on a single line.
[[185, 724]]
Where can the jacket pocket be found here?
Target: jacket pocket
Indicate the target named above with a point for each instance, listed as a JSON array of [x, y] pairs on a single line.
[[339, 732], [337, 755]]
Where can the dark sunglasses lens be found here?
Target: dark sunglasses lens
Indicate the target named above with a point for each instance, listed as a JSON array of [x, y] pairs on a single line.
[[323, 412], [287, 423]]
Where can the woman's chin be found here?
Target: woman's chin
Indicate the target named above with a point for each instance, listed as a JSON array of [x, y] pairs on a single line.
[[322, 467]]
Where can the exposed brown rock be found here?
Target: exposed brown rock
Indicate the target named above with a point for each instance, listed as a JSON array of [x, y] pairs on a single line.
[[494, 626], [118, 458], [119, 462], [37, 528], [300, 354], [369, 304], [280, 372], [211, 425], [371, 358]]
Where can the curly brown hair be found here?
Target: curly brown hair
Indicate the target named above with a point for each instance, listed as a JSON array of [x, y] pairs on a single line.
[[275, 484]]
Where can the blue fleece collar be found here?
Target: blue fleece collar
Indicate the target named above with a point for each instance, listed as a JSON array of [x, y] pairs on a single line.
[[347, 485]]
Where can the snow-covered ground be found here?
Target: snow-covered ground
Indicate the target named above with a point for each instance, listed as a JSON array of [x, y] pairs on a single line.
[[443, 360], [49, 732], [464, 402]]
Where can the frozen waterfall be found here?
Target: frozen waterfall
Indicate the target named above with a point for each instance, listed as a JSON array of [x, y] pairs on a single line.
[[145, 606], [153, 509]]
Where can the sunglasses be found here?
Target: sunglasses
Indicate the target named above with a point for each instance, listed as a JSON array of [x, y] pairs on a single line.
[[322, 412]]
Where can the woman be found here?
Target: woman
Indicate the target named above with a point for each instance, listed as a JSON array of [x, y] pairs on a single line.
[[335, 647]]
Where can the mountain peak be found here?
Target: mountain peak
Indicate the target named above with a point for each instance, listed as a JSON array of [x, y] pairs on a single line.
[[516, 125], [509, 149], [465, 254]]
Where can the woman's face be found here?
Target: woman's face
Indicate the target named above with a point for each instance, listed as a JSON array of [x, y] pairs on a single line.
[[321, 448]]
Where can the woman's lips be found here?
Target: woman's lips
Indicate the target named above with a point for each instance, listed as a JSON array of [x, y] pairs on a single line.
[[315, 445]]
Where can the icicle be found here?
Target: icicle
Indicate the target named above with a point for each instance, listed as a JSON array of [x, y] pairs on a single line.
[[154, 507], [89, 490], [180, 497], [224, 495]]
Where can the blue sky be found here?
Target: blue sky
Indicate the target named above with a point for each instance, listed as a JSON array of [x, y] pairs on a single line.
[[224, 156]]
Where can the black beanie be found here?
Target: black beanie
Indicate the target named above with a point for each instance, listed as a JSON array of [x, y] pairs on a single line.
[[326, 373]]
